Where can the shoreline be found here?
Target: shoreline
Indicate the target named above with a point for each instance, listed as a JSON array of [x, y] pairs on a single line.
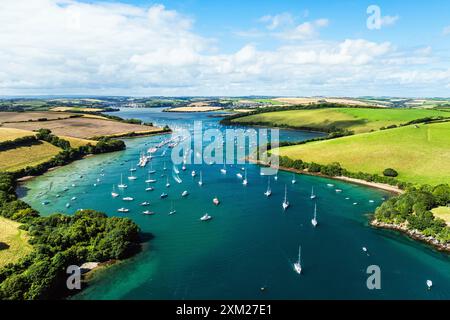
[[375, 185], [28, 178], [414, 234]]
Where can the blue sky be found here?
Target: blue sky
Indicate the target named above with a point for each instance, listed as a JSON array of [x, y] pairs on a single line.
[[199, 47]]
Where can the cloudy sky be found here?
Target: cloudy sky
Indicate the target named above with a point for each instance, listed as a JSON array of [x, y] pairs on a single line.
[[203, 47]]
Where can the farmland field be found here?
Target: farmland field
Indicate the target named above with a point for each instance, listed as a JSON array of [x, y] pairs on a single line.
[[6, 117], [84, 127], [356, 119], [309, 100], [419, 154], [19, 158], [11, 133], [64, 109], [13, 242]]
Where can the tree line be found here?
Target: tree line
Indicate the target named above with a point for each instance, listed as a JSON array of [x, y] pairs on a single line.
[[68, 154]]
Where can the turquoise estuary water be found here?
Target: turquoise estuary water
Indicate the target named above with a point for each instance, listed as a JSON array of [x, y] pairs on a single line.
[[250, 242]]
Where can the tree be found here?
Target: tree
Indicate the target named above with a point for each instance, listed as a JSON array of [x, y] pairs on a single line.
[[389, 172]]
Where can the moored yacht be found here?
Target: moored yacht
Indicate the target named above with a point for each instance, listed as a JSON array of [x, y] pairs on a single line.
[[200, 182], [314, 219], [298, 264], [268, 192], [122, 185], [313, 196], [285, 204], [114, 194], [206, 217]]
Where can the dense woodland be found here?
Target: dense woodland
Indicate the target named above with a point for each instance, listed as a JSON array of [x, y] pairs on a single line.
[[413, 208]]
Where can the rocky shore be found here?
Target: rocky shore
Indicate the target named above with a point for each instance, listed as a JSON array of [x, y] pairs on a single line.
[[415, 234]]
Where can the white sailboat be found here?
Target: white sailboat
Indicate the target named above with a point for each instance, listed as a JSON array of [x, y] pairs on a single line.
[[245, 181], [298, 264], [167, 182], [172, 210], [114, 194], [132, 177], [429, 284], [285, 204], [128, 199], [224, 169], [124, 210], [165, 168], [313, 196], [149, 188], [314, 220], [200, 182], [239, 175], [276, 178], [293, 179], [185, 193], [193, 173], [268, 192], [151, 171], [122, 185], [216, 201]]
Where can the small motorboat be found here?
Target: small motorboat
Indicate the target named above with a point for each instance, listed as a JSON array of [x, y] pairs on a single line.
[[73, 198], [193, 173], [148, 213], [123, 210], [429, 284], [128, 199], [145, 203], [185, 193], [216, 201], [164, 195], [206, 217]]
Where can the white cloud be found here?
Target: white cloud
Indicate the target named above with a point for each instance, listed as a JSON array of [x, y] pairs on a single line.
[[446, 31], [306, 30], [69, 47], [278, 20]]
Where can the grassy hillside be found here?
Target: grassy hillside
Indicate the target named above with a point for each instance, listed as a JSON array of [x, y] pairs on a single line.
[[357, 119], [16, 159], [419, 154], [13, 242]]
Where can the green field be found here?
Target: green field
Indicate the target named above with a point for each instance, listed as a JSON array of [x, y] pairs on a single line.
[[419, 154], [19, 158], [443, 213], [13, 242], [357, 119]]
